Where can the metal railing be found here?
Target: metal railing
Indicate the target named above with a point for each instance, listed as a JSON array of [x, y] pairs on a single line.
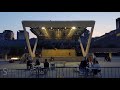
[[58, 72]]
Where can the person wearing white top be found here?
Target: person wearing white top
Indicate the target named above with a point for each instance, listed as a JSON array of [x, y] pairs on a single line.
[[90, 64]]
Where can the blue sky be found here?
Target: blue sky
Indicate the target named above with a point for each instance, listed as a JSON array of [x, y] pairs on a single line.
[[105, 21]]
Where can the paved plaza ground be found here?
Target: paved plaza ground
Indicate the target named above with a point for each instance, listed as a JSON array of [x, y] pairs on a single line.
[[62, 72], [114, 63]]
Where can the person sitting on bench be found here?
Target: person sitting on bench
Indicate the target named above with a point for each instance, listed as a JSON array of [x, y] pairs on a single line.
[[83, 65], [37, 63], [96, 67]]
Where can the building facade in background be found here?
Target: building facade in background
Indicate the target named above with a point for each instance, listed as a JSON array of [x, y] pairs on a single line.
[[20, 35], [117, 23], [7, 35], [1, 36]]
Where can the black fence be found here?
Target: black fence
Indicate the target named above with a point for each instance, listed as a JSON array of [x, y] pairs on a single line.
[[58, 72]]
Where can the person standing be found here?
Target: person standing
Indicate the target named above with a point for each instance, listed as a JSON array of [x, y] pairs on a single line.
[[28, 63], [46, 64], [37, 63]]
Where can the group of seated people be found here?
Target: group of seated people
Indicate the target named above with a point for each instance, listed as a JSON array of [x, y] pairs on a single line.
[[89, 65], [37, 63]]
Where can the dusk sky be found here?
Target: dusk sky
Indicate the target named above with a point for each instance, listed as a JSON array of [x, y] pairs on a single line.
[[105, 21]]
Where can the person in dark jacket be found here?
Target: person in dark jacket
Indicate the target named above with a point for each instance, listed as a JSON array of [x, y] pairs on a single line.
[[83, 65], [46, 64], [106, 58], [29, 63], [37, 63]]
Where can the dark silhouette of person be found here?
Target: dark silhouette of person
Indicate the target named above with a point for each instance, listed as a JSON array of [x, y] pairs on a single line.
[[106, 58], [46, 64], [94, 60], [69, 54], [109, 59], [83, 65], [29, 63], [25, 58], [37, 62], [52, 59]]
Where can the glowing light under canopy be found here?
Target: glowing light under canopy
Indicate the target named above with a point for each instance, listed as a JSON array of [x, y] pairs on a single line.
[[14, 58], [43, 28], [73, 27]]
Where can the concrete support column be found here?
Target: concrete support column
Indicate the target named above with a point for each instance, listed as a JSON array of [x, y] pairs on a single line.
[[93, 55], [82, 49], [28, 43], [34, 49], [85, 52], [89, 41], [5, 56], [110, 55]]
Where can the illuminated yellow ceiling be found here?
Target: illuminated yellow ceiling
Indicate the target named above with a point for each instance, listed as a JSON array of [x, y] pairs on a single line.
[[58, 29]]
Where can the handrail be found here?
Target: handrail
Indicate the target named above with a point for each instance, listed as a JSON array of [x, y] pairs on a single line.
[[63, 67]]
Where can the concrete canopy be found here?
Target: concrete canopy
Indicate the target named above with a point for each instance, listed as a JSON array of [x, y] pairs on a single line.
[[58, 29]]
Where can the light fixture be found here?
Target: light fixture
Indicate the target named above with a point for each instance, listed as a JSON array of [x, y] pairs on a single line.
[[65, 27], [14, 58], [51, 27], [73, 27], [43, 28]]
